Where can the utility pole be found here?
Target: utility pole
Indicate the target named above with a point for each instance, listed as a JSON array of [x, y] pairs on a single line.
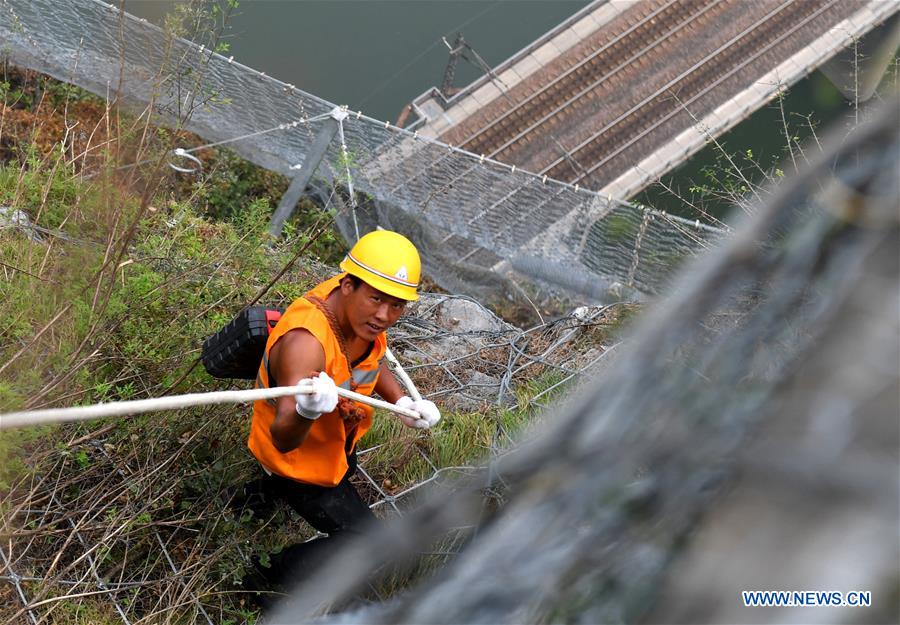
[[456, 50]]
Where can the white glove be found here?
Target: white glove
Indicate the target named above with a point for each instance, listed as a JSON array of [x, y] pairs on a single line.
[[428, 412], [324, 399]]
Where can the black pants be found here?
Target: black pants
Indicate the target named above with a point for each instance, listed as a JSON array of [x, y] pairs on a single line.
[[338, 511]]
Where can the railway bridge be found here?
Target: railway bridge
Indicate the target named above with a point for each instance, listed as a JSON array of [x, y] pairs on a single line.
[[623, 92]]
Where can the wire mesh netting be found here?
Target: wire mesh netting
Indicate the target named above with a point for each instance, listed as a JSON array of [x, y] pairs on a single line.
[[474, 219]]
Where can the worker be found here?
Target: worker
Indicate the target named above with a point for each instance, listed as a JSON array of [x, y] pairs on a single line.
[[306, 444]]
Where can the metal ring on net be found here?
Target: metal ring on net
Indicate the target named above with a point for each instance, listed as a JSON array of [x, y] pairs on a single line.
[[187, 170]]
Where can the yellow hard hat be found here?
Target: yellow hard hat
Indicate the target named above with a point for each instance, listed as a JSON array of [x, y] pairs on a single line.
[[386, 261]]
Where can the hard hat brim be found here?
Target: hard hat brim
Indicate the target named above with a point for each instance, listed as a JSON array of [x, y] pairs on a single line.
[[386, 284]]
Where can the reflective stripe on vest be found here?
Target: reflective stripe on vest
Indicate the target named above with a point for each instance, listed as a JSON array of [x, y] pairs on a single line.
[[361, 376]]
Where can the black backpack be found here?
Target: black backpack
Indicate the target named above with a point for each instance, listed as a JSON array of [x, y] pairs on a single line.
[[236, 350]]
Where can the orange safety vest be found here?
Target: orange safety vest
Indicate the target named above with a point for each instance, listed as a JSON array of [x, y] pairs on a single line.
[[322, 457]]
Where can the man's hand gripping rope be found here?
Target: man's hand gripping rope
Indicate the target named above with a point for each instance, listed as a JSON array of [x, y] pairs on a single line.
[[428, 413]]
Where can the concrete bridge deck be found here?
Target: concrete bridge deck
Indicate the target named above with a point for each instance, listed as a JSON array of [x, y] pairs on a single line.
[[625, 91]]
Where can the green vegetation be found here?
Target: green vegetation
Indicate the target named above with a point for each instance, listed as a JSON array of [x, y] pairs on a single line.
[[109, 297]]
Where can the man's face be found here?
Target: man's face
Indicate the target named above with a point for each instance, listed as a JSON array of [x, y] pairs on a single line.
[[369, 310]]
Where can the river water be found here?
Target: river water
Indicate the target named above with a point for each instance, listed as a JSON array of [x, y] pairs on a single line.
[[375, 55]]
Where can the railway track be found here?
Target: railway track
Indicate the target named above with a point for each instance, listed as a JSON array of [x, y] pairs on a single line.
[[652, 71], [700, 79], [650, 31]]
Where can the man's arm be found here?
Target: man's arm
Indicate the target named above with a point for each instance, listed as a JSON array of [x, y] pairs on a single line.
[[295, 356], [387, 385]]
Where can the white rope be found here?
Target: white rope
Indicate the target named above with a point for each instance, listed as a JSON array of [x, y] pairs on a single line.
[[174, 402], [404, 377]]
